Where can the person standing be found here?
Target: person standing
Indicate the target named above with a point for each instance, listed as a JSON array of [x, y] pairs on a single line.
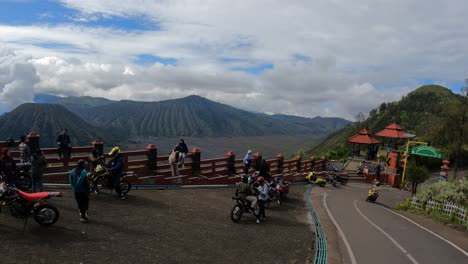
[[262, 197], [63, 142], [247, 161], [8, 167], [25, 153], [183, 150], [173, 157], [79, 184], [116, 165], [39, 162]]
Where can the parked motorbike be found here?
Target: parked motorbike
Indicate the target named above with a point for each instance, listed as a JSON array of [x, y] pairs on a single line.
[[100, 177], [23, 177], [23, 205], [241, 207], [312, 178], [373, 194], [330, 179], [341, 179]]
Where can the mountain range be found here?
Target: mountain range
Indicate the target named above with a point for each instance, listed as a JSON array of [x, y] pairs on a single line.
[[120, 121]]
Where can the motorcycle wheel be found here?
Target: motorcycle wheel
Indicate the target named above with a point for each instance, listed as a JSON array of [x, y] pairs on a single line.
[[46, 214], [125, 186], [236, 213], [23, 181], [344, 181], [322, 184]]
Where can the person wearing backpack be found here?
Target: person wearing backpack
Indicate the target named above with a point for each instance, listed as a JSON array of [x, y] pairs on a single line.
[[173, 158]]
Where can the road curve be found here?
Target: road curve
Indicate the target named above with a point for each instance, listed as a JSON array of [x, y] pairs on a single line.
[[374, 234]]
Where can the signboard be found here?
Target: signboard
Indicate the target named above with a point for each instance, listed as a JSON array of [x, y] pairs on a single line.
[[427, 151]]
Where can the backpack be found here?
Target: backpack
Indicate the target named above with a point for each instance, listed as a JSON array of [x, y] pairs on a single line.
[[173, 157]]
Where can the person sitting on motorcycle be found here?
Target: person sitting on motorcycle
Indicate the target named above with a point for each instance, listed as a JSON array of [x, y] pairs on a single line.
[[115, 170], [95, 158], [244, 191], [8, 167], [262, 196]]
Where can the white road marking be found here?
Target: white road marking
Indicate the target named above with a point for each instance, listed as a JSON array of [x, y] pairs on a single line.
[[407, 254], [340, 231], [423, 228]]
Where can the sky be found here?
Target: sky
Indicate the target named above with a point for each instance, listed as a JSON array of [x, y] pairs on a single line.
[[330, 58]]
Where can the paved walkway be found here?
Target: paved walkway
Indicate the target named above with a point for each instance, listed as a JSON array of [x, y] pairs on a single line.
[[161, 226], [376, 235]]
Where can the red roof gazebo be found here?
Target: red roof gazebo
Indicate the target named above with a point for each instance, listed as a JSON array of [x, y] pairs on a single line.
[[393, 131], [364, 138]]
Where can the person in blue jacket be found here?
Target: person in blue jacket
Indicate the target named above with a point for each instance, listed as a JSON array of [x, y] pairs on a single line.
[[79, 183]]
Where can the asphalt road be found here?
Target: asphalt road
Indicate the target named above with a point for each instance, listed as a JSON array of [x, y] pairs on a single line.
[[376, 235]]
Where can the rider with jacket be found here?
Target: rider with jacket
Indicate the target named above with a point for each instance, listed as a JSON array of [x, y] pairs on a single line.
[[8, 167], [244, 191], [115, 170]]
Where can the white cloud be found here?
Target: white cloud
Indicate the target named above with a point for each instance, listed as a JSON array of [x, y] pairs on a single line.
[[362, 52], [17, 78]]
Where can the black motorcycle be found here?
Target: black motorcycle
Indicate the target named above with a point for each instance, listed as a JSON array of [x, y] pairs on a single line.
[[241, 207], [23, 177], [341, 179], [331, 179]]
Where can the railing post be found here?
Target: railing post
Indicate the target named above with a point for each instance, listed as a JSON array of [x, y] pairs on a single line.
[[231, 163], [33, 142], [195, 155], [280, 159], [152, 155], [298, 159], [258, 161]]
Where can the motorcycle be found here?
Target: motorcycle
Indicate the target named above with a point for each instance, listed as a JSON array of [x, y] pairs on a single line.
[[100, 177], [312, 178], [241, 207], [23, 177], [341, 179], [23, 205], [372, 195], [331, 179]]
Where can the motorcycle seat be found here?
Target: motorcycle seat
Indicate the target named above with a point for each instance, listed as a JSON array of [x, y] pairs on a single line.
[[38, 195]]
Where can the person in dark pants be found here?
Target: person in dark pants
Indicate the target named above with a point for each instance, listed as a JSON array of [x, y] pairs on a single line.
[[115, 169], [8, 167], [377, 172], [37, 170], [262, 197], [63, 142], [79, 184]]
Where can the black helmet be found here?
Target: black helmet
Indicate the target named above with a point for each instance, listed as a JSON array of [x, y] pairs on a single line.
[[378, 184]]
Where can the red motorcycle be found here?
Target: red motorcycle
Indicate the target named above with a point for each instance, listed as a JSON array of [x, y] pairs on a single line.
[[282, 187], [23, 205], [279, 189]]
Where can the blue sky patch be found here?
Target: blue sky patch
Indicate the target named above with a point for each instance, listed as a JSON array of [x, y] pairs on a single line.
[[255, 70], [145, 59], [300, 57], [53, 13]]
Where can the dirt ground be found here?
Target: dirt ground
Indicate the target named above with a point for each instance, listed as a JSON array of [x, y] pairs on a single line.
[[162, 226]]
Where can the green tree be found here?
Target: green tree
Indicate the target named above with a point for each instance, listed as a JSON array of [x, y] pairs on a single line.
[[416, 174]]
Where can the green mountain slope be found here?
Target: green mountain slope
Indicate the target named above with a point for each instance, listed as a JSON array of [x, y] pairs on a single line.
[[190, 116], [320, 125], [431, 112], [48, 120], [72, 101]]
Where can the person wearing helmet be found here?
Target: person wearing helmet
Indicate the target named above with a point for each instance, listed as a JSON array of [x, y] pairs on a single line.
[[115, 169], [244, 191], [262, 196], [78, 181]]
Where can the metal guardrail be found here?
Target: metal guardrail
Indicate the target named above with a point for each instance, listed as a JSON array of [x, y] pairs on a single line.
[[320, 237]]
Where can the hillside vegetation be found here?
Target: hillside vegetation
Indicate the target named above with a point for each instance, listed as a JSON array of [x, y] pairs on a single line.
[[432, 112]]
